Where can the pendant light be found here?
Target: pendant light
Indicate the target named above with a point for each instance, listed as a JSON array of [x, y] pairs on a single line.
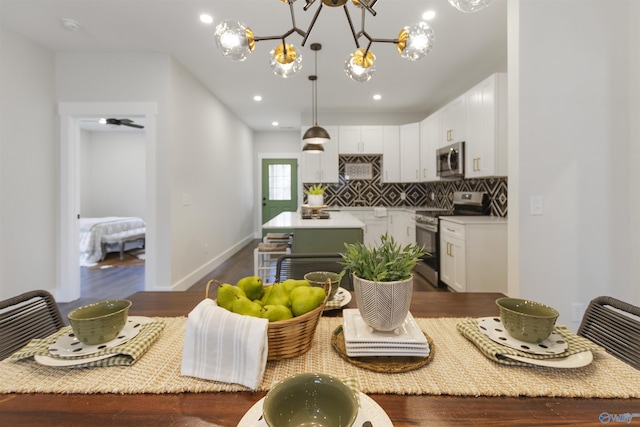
[[315, 135]]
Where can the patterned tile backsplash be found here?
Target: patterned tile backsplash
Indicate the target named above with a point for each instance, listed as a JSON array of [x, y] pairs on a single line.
[[371, 192]]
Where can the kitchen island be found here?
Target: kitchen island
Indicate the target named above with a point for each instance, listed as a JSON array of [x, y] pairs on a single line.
[[316, 235]]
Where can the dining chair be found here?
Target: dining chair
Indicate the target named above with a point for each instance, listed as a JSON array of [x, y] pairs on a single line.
[[615, 325], [30, 315], [295, 266]]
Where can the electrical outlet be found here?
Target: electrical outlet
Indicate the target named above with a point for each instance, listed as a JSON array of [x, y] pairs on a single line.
[[577, 311], [403, 196], [205, 247], [433, 195]]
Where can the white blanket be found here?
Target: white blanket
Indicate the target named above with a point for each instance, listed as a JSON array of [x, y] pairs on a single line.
[[93, 229]]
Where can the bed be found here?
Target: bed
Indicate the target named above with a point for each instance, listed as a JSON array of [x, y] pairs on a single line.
[[94, 232]]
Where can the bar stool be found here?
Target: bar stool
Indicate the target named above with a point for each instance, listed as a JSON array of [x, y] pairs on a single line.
[[265, 257]]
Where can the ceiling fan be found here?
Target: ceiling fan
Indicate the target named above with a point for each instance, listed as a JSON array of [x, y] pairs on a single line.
[[123, 122]]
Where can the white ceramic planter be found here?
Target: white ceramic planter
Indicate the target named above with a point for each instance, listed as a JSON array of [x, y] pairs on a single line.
[[315, 199], [383, 305]]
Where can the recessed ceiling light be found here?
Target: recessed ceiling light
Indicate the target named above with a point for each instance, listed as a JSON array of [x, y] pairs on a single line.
[[207, 19], [257, 98], [275, 123], [377, 97], [429, 15]]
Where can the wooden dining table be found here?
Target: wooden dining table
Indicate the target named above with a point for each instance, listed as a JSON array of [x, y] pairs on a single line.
[[227, 408]]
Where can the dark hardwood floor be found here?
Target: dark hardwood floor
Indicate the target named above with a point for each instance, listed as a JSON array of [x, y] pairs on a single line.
[[120, 282]]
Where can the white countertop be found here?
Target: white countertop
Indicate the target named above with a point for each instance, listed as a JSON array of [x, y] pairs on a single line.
[[294, 220], [478, 219]]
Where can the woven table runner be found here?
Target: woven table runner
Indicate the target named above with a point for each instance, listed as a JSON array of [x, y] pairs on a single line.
[[457, 368]]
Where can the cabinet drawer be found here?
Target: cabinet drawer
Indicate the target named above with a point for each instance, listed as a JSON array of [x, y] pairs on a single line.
[[452, 229]]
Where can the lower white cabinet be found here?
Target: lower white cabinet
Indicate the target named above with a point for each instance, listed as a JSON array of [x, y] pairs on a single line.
[[473, 254], [374, 226], [402, 226]]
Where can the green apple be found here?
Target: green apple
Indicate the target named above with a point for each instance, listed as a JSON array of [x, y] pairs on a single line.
[[304, 299], [252, 287], [228, 294], [276, 312], [246, 307]]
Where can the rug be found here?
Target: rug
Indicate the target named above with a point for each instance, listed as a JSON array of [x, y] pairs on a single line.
[[132, 258]]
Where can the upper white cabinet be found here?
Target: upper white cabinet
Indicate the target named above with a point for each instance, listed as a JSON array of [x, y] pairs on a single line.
[[401, 155], [322, 167], [486, 140], [429, 140], [410, 152], [361, 139], [391, 154], [454, 121]]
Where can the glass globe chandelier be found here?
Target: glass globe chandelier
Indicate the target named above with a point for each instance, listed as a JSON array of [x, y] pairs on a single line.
[[469, 6], [237, 41]]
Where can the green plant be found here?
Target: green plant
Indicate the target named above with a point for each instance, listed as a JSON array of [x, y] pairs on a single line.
[[388, 262], [316, 189]]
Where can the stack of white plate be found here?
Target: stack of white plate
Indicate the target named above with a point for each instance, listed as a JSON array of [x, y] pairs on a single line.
[[361, 341]]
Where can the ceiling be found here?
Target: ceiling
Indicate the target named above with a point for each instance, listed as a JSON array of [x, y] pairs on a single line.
[[467, 48]]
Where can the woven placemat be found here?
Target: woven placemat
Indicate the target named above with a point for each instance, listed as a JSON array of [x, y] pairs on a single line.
[[458, 368], [385, 364]]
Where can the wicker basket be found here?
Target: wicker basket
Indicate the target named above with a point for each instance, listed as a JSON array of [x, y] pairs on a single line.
[[292, 337]]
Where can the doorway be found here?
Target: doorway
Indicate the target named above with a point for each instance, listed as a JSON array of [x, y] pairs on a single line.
[[279, 187], [68, 277]]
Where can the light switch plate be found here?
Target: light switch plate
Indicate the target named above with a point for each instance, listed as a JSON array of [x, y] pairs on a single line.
[[536, 206]]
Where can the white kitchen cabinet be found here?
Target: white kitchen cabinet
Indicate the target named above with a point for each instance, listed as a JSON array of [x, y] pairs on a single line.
[[486, 141], [360, 139], [401, 226], [322, 167], [391, 154], [473, 253], [410, 152], [374, 226], [454, 121], [429, 139]]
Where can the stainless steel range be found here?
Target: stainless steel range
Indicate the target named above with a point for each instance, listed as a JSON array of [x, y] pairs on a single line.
[[428, 229]]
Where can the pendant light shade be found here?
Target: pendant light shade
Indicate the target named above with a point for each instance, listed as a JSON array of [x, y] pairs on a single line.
[[315, 135], [312, 148]]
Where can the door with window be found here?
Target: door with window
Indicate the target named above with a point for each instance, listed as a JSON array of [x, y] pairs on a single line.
[[279, 187]]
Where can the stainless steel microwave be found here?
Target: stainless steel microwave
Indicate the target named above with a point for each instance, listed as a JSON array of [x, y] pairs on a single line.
[[450, 160]]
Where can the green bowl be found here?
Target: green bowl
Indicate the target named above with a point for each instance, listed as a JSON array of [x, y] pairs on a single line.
[[99, 322], [310, 400], [525, 320], [319, 279]]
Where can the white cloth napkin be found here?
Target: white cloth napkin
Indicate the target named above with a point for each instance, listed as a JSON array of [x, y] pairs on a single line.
[[224, 346]]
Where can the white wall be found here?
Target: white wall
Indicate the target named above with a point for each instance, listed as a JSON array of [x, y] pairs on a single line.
[[574, 140], [28, 143], [212, 200], [112, 178]]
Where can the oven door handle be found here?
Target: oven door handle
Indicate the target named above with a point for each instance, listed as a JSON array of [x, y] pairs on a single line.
[[432, 229]]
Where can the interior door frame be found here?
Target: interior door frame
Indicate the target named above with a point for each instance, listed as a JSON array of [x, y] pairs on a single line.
[[67, 287], [258, 192]]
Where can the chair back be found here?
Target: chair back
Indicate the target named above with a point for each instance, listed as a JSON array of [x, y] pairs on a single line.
[[33, 314], [295, 266], [615, 325]]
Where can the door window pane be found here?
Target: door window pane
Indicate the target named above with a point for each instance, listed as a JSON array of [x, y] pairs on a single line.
[[280, 182]]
